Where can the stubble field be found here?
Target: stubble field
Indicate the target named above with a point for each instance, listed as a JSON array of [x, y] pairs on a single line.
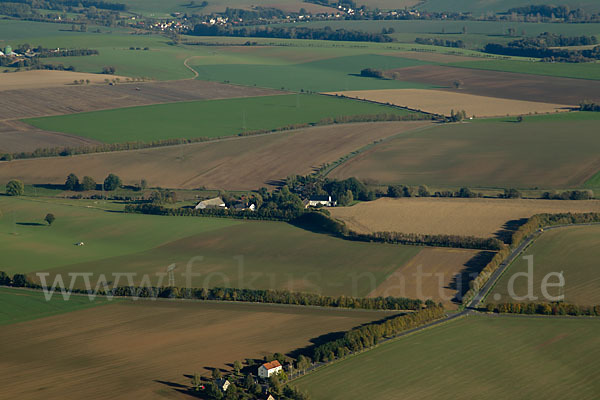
[[443, 102], [448, 216]]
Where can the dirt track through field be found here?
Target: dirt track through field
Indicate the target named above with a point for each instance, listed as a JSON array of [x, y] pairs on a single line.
[[507, 85], [141, 350], [465, 217], [240, 163]]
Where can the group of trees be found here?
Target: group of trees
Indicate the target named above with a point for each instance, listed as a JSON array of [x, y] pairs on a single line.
[[441, 42], [396, 191], [558, 308], [343, 191], [112, 182], [372, 73], [589, 106], [15, 188], [544, 46], [569, 195], [291, 33], [62, 5], [467, 242], [551, 12]]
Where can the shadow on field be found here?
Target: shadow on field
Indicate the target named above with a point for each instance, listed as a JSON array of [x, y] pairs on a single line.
[[30, 224], [183, 389], [460, 282], [505, 234]]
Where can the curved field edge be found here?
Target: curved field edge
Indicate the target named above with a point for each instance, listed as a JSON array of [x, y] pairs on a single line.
[[208, 118], [533, 355]]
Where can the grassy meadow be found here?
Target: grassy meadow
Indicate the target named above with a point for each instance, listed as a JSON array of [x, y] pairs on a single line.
[[234, 253], [479, 7], [535, 359], [208, 118], [26, 305], [490, 154], [574, 250]]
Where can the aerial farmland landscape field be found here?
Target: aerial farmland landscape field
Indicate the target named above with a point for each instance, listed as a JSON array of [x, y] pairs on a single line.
[[299, 199]]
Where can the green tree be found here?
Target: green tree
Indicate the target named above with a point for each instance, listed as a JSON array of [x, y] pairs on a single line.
[[424, 191], [72, 182], [49, 218], [15, 188], [346, 198], [196, 381], [237, 366], [143, 184], [88, 183], [20, 280], [112, 182], [216, 373], [4, 279]]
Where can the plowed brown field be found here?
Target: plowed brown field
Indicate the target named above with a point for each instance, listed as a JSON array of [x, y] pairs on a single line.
[[240, 163], [507, 85], [141, 350]]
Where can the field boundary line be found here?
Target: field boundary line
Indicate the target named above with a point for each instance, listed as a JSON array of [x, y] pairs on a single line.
[[344, 159]]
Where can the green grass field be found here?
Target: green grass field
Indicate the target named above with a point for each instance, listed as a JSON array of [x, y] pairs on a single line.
[[338, 73], [18, 305], [273, 254], [490, 154], [574, 250], [479, 7], [209, 118], [474, 357]]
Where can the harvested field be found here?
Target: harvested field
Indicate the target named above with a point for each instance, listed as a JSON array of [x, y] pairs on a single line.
[[434, 274], [507, 85], [240, 163], [39, 79], [465, 217], [442, 102], [27, 103], [544, 152], [135, 350], [17, 136]]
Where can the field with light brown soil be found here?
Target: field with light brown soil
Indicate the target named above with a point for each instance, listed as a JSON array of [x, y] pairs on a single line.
[[443, 102], [135, 350], [465, 217], [434, 273], [507, 85], [38, 79], [241, 163]]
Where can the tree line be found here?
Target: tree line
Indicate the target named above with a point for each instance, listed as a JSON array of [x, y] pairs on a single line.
[[291, 33], [441, 42], [241, 295], [63, 5], [558, 308], [369, 335], [533, 224], [108, 147], [587, 105], [542, 47]]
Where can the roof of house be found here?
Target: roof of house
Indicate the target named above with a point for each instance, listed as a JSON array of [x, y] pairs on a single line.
[[272, 364], [320, 198], [216, 201]]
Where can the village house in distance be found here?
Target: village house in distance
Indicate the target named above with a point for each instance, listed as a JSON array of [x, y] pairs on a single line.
[[269, 369]]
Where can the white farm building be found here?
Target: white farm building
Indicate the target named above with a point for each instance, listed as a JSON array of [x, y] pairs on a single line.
[[267, 370]]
